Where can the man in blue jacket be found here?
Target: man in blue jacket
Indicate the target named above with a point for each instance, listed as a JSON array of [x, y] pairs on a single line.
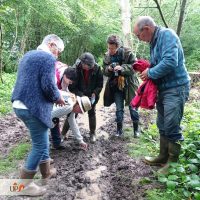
[[168, 71], [34, 93]]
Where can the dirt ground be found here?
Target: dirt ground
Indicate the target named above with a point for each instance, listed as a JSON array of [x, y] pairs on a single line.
[[104, 172]]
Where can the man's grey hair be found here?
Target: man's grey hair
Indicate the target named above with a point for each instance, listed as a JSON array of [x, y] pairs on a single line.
[[55, 39], [145, 21]]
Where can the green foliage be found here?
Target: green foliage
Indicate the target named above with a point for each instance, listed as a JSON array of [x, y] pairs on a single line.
[[83, 25], [183, 180], [184, 176], [162, 195], [193, 61], [5, 92], [134, 147], [145, 181], [190, 30], [17, 153]]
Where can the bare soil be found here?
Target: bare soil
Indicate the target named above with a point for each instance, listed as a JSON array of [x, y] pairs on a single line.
[[104, 172]]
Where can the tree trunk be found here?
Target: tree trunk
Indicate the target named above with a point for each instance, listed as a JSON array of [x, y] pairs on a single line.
[[126, 22], [181, 17]]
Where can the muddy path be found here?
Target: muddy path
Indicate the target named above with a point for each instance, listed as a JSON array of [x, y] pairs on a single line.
[[104, 172]]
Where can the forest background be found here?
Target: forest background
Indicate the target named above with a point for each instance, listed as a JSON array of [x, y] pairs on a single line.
[[85, 24]]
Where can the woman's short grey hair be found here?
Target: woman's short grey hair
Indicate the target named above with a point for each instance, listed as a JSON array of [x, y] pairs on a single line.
[[55, 39], [145, 21], [114, 39]]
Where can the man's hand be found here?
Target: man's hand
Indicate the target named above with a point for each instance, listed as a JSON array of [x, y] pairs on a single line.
[[117, 68], [72, 96], [144, 74], [93, 97], [110, 69], [84, 146]]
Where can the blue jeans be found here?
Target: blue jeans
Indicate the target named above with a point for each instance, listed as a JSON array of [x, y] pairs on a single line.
[[39, 137], [170, 106], [119, 102]]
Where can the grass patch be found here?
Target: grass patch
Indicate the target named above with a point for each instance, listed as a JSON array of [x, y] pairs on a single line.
[[128, 133], [133, 145], [162, 195], [5, 93], [143, 146], [137, 150], [145, 181], [17, 153]]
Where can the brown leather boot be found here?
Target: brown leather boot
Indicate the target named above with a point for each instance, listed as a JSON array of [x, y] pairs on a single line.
[[162, 158], [30, 188], [47, 171], [174, 152]]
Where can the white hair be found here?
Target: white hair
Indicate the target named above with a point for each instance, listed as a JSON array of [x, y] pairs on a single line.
[[55, 39], [145, 21]]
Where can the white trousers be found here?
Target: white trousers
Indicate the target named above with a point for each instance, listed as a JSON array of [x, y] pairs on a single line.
[[59, 111]]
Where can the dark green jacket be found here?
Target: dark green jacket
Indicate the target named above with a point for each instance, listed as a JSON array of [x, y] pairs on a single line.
[[95, 82], [131, 80]]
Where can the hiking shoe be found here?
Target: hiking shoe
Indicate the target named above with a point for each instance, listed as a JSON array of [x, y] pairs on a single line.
[[58, 147], [92, 138]]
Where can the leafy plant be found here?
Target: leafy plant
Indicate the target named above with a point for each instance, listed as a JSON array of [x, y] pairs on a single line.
[[184, 178], [5, 92]]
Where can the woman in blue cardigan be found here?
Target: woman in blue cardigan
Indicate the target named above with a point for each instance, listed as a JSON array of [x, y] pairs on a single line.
[[34, 93]]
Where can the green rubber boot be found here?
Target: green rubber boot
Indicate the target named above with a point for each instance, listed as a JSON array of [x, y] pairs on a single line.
[[162, 158], [174, 152]]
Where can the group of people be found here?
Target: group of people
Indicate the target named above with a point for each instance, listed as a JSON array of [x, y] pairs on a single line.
[[47, 89]]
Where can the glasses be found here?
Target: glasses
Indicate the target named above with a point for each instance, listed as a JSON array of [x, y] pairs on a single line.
[[57, 48], [139, 33]]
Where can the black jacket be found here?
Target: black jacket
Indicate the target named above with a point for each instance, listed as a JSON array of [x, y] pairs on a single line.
[[95, 82]]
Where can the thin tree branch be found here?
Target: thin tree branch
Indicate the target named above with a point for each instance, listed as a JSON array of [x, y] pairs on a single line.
[[146, 7], [161, 14], [175, 7]]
